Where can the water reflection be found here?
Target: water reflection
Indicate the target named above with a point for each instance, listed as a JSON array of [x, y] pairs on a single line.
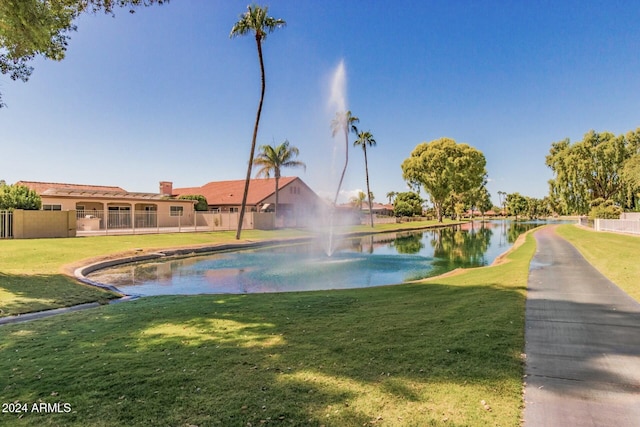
[[371, 260]]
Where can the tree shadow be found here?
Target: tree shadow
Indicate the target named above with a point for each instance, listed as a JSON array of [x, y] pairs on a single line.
[[588, 347], [30, 293], [349, 357]]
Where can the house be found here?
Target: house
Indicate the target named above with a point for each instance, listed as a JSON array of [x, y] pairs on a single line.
[[104, 207], [296, 200], [378, 208]]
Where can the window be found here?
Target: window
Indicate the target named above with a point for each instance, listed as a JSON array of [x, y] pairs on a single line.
[[51, 207], [176, 210]]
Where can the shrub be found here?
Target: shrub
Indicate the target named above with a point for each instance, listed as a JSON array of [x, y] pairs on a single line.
[[604, 209], [202, 204], [407, 204], [18, 197]]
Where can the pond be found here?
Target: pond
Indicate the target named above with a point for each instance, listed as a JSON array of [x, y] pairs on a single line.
[[372, 260]]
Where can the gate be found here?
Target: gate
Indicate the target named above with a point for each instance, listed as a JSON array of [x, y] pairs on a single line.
[[6, 224]]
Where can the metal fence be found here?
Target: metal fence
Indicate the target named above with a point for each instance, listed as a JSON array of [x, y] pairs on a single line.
[[92, 223], [586, 222], [6, 224], [618, 225]]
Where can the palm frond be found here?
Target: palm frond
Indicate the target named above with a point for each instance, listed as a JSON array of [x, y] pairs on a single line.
[[255, 20]]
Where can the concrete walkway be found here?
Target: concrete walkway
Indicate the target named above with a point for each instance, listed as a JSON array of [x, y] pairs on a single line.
[[582, 337]]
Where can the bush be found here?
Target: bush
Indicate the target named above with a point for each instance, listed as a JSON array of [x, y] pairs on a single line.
[[407, 204], [18, 197], [604, 209], [202, 204]]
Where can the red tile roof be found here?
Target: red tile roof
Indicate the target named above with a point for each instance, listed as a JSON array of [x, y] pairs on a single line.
[[219, 193]]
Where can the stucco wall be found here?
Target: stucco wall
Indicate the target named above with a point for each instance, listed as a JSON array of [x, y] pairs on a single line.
[[36, 224], [264, 220]]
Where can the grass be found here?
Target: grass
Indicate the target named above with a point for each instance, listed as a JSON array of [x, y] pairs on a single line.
[[413, 355], [614, 255], [35, 273]]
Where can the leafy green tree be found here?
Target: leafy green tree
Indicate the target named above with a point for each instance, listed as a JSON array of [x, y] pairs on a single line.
[[272, 159], [516, 204], [31, 28], [484, 203], [478, 198], [344, 122], [591, 169], [534, 207], [18, 197], [407, 203], [366, 138], [631, 176], [256, 21], [445, 169], [202, 204], [604, 209]]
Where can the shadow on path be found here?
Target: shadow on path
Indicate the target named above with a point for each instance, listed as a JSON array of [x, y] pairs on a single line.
[[582, 337]]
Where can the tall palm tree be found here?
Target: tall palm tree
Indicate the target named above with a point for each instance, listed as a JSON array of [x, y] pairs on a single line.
[[366, 138], [255, 20], [357, 200], [273, 159], [391, 195], [345, 122]]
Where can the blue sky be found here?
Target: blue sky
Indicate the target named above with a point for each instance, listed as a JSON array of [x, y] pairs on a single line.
[[165, 94]]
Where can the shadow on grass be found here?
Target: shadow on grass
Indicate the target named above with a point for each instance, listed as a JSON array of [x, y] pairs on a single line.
[[29, 293], [420, 354]]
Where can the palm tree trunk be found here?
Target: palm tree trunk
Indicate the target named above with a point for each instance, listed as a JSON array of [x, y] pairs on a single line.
[[253, 141], [366, 169], [276, 208], [346, 161]]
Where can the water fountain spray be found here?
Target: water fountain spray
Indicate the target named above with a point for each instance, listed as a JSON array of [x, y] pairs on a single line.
[[340, 124]]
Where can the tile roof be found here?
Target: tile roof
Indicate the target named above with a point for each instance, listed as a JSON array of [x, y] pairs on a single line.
[[230, 192], [81, 190], [41, 187]]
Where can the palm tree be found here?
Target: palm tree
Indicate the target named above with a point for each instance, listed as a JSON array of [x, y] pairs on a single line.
[[273, 159], [255, 20], [345, 122], [502, 195], [356, 201], [366, 138], [391, 195]]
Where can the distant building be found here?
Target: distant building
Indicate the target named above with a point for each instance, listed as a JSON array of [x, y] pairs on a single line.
[[378, 208], [296, 200], [99, 206]]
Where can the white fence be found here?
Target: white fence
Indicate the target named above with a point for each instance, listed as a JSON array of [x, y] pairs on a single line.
[[6, 224], [618, 225], [148, 222]]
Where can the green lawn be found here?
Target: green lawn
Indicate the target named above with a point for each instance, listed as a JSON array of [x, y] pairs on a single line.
[[411, 355], [446, 351], [614, 255]]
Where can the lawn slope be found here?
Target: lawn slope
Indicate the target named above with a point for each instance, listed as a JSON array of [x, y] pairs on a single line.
[[441, 352]]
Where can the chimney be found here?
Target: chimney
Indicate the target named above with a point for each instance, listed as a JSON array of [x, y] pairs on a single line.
[[166, 188]]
